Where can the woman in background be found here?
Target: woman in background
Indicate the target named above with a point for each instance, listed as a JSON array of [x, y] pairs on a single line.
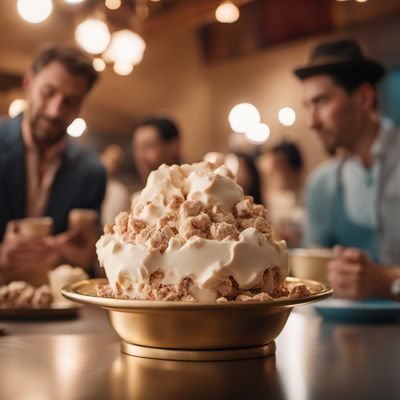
[[248, 176], [282, 169]]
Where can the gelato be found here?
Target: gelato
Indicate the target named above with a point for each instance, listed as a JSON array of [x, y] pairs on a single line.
[[192, 235]]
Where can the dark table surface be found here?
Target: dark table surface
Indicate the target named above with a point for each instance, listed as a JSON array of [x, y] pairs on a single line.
[[315, 359]]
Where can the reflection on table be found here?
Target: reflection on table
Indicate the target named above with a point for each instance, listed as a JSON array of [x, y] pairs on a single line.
[[315, 359]]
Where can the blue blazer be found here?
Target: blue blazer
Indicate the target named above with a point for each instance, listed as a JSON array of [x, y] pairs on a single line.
[[79, 183]]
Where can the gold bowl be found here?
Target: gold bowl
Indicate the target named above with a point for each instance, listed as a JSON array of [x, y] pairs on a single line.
[[198, 331]]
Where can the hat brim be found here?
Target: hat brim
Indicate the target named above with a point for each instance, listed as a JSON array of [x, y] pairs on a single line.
[[370, 70]]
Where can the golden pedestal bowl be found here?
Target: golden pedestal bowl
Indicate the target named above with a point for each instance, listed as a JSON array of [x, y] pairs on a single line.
[[196, 331]]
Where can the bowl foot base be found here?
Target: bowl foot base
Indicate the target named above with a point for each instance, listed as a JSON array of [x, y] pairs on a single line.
[[198, 355]]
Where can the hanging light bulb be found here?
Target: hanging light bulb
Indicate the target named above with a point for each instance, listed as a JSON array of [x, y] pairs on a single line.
[[34, 11], [113, 4], [93, 35], [123, 68], [227, 13], [126, 47], [99, 64]]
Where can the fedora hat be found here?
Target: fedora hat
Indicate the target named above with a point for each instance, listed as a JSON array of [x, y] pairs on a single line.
[[338, 57]]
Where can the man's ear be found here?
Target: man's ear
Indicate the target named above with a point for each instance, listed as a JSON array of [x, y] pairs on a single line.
[[365, 95]]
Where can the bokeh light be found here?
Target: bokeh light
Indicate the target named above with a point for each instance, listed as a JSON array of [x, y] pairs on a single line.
[[258, 134], [287, 116], [243, 116], [77, 127], [227, 13], [34, 11], [16, 107]]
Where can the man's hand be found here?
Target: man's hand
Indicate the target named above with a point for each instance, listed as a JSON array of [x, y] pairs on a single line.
[[354, 275], [25, 258], [77, 247]]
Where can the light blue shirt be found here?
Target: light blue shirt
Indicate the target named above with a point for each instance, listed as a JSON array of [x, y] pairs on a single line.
[[351, 205]]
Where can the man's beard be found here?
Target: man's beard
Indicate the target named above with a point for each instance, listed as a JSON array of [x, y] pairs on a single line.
[[47, 137], [331, 150], [329, 146]]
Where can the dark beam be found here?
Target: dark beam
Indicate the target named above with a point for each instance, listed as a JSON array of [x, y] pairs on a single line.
[[9, 80], [183, 16]]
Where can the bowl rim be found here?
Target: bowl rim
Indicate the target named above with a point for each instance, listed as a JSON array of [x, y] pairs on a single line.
[[78, 292]]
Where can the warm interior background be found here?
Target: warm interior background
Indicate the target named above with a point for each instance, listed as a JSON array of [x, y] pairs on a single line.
[[196, 70]]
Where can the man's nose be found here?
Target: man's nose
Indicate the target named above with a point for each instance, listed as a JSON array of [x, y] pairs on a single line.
[[314, 121], [55, 106]]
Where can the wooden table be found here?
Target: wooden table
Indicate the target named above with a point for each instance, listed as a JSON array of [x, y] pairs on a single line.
[[315, 359]]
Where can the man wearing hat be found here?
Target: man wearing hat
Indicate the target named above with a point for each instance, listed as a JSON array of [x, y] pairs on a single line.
[[353, 200]]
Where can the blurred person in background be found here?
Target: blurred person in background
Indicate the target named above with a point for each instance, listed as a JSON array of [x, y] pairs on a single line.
[[248, 176], [353, 201], [282, 170], [117, 197], [155, 141], [43, 173]]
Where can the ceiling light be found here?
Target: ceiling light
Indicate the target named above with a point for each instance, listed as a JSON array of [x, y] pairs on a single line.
[[74, 1], [227, 13], [243, 116], [34, 11], [93, 35], [16, 107], [287, 116], [77, 127], [126, 47]]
